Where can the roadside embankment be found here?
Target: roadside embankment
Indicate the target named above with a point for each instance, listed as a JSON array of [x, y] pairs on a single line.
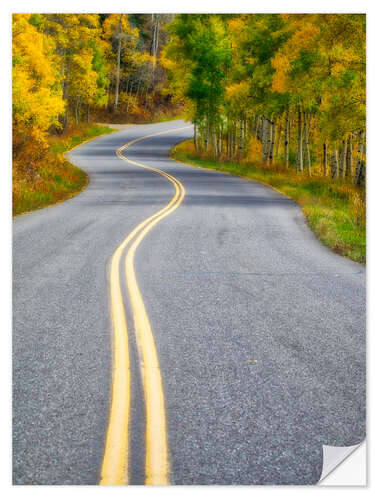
[[336, 212], [53, 179]]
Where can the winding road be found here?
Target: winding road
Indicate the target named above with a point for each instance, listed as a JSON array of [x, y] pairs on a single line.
[[176, 325]]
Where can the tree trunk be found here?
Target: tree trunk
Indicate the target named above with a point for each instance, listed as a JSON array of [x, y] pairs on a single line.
[[299, 159], [195, 137], [228, 139], [262, 134], [277, 141], [255, 125], [206, 138], [265, 139], [342, 158], [214, 143], [306, 148], [349, 159], [361, 174], [234, 141], [272, 142], [242, 137], [65, 89], [360, 167], [156, 37], [118, 65], [335, 165], [259, 128], [286, 140], [155, 41]]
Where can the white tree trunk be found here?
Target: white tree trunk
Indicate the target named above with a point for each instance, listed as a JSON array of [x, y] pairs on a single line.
[[155, 42], [118, 64], [306, 133], [277, 140], [242, 136], [335, 164], [299, 159], [266, 139], [349, 159], [359, 171], [272, 142], [286, 140]]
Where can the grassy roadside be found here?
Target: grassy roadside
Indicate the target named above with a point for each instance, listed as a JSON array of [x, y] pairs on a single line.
[[56, 179], [336, 212], [163, 118]]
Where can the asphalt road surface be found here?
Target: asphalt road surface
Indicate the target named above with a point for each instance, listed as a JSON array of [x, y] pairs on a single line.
[[259, 329]]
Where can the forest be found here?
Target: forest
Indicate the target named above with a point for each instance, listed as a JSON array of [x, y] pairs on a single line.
[[73, 68], [281, 99], [290, 86], [284, 91], [70, 71]]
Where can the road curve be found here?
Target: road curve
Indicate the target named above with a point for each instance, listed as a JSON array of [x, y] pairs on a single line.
[[258, 329]]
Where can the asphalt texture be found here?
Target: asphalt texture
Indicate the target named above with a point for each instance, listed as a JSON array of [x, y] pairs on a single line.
[[259, 328]]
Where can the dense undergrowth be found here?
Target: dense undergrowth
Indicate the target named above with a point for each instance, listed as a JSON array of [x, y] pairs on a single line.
[[155, 111], [335, 211]]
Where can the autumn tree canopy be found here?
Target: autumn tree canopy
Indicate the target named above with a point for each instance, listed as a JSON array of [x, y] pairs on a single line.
[[291, 87], [291, 80], [67, 67]]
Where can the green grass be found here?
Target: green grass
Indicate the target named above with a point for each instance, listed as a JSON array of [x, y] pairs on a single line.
[[56, 179], [61, 144], [335, 211]]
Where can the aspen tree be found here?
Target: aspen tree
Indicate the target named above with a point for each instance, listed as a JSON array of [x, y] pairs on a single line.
[[37, 96], [343, 154], [278, 139], [349, 159], [272, 141], [299, 158], [286, 139], [119, 38], [299, 79], [306, 148]]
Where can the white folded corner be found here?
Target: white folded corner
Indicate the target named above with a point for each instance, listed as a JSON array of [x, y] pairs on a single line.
[[355, 466]]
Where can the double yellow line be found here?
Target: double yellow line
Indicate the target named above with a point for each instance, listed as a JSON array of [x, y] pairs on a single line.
[[115, 465]]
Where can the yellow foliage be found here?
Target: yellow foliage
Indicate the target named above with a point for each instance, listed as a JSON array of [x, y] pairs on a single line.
[[281, 63], [304, 37], [83, 80], [253, 149], [117, 27], [37, 99]]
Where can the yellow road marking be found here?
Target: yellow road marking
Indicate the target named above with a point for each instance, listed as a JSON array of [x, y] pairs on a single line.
[[115, 461], [156, 466], [115, 465]]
